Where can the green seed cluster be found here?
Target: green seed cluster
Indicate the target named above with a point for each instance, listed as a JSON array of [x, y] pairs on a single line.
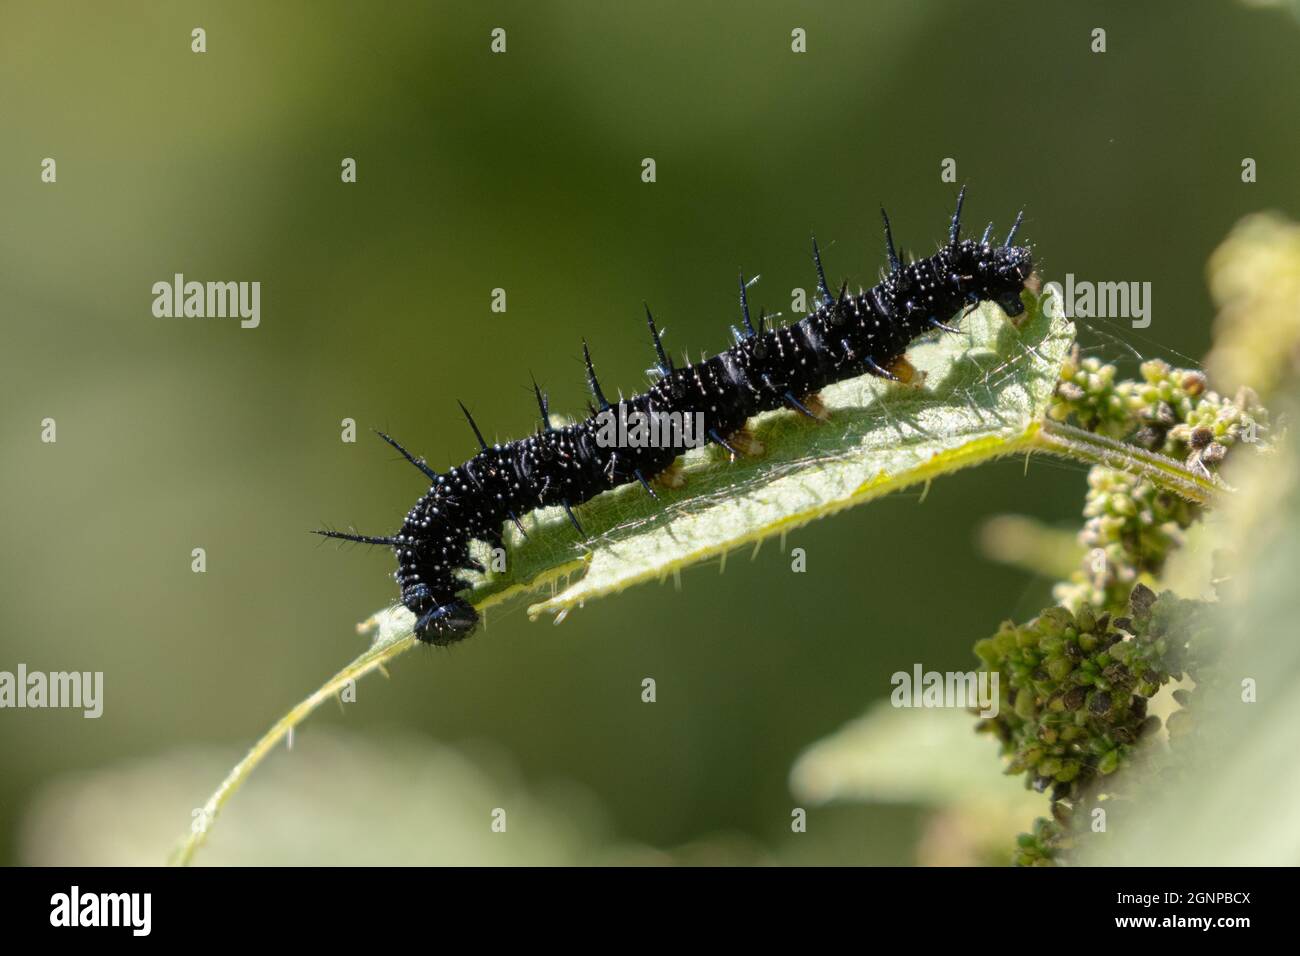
[[1076, 692], [1074, 689], [1088, 393], [1042, 846], [1130, 528]]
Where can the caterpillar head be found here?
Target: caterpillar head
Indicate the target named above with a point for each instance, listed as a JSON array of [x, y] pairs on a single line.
[[1009, 268], [983, 270]]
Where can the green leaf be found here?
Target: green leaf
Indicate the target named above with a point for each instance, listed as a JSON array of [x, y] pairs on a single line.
[[929, 758], [984, 395], [926, 756]]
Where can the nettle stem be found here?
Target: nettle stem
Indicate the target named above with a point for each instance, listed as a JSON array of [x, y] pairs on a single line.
[[374, 659], [1067, 441]]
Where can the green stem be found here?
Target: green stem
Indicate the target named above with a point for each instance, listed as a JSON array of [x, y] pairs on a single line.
[[372, 660], [1067, 441]]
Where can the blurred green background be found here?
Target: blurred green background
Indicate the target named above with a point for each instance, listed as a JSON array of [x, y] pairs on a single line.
[[522, 171]]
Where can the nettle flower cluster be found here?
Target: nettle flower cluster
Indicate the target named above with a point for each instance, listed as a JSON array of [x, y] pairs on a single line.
[[1169, 410], [1075, 690], [1131, 527], [1076, 687], [1131, 524]]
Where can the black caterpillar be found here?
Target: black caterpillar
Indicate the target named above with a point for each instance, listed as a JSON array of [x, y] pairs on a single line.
[[766, 369]]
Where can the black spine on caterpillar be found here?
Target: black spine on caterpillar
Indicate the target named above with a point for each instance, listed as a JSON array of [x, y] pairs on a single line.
[[767, 369]]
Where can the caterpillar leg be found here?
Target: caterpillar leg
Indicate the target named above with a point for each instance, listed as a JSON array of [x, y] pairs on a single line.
[[810, 406], [739, 444], [446, 623], [672, 477], [744, 442], [817, 407], [904, 371]]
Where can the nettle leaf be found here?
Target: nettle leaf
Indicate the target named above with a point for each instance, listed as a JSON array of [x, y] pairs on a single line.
[[984, 392], [984, 395]]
